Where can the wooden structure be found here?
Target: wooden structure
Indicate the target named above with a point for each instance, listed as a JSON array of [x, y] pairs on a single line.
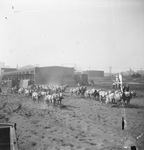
[[8, 137]]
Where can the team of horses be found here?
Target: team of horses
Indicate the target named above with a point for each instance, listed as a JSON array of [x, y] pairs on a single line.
[[54, 94]]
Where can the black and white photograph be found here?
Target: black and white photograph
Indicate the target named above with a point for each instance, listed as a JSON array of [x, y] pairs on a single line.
[[71, 74]]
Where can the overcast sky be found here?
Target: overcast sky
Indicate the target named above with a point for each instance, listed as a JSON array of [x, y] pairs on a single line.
[[92, 34]]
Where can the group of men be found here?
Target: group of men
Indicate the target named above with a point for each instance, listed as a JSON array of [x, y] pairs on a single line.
[[118, 84]]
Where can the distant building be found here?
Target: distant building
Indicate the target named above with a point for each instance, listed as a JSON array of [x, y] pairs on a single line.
[[140, 72], [4, 70], [2, 64], [55, 75], [78, 72], [28, 66], [94, 73], [106, 74]]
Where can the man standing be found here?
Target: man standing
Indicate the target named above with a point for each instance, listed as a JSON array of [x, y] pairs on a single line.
[[117, 82], [120, 81]]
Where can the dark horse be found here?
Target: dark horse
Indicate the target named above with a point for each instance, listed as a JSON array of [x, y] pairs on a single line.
[[126, 87]]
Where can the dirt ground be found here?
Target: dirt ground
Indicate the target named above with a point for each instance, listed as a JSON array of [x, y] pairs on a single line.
[[80, 124]]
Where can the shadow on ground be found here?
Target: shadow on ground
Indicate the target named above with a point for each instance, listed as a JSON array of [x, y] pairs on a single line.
[[68, 107], [129, 106]]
